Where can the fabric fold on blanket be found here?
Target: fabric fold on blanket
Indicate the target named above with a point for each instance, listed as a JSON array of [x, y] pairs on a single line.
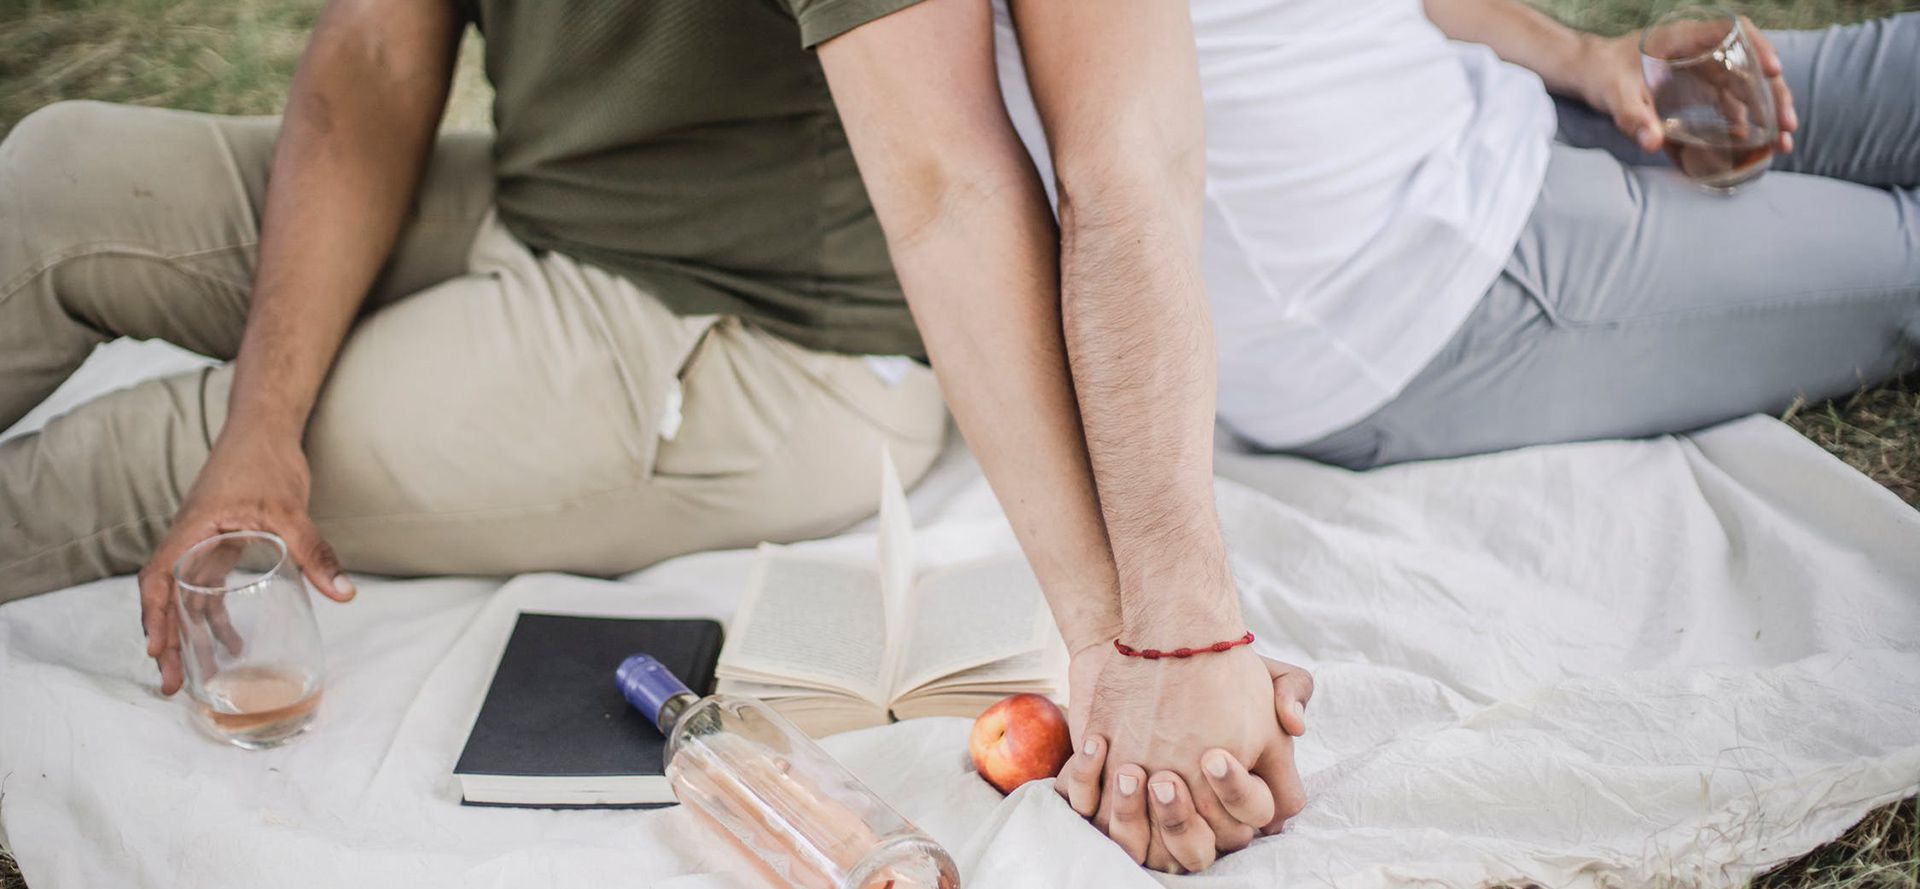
[[1680, 661]]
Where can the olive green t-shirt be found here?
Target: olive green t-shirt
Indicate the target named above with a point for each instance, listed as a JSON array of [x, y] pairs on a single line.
[[692, 147]]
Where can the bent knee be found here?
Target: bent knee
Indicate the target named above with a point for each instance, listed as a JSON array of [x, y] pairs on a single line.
[[46, 162], [56, 117], [52, 137]]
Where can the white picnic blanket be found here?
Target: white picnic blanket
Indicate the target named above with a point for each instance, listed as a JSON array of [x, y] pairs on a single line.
[[1673, 661]]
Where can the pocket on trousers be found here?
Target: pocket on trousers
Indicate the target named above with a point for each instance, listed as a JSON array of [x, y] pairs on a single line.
[[735, 405]]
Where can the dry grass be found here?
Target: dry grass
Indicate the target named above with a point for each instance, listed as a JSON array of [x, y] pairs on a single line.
[[232, 57], [235, 56], [1881, 852], [1618, 16], [1877, 431]]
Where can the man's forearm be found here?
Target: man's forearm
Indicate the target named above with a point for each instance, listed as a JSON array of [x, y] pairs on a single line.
[[1120, 98], [1520, 34], [976, 251], [355, 136], [1141, 346], [992, 330]]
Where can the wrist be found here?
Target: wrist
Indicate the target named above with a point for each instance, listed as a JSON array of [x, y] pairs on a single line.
[[1089, 635], [254, 436], [1183, 619], [1178, 604], [1087, 616], [1598, 62]]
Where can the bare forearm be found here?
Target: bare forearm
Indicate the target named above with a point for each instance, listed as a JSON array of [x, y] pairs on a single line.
[[1142, 352], [976, 250], [1120, 97], [1520, 34], [357, 130], [992, 330]]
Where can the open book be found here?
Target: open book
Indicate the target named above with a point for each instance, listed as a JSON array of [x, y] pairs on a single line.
[[839, 644]]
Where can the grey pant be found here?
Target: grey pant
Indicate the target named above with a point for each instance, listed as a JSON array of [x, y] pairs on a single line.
[[1637, 304]]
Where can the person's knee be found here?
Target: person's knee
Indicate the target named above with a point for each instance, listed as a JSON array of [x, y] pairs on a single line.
[[51, 131], [41, 157]]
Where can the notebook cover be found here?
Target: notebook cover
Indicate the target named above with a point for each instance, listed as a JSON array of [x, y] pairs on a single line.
[[553, 709]]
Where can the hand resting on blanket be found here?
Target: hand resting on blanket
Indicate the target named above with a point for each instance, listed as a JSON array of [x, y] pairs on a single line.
[[1157, 819]]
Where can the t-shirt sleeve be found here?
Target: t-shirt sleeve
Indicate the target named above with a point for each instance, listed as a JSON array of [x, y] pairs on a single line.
[[823, 19]]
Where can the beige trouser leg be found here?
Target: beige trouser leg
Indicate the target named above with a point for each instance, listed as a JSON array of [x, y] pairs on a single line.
[[504, 416]]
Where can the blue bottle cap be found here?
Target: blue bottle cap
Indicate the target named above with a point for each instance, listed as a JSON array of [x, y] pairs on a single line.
[[647, 684]]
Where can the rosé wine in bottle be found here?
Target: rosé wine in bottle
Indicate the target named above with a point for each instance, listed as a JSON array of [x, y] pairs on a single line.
[[765, 786]]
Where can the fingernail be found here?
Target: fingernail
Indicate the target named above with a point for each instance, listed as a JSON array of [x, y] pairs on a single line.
[[1299, 710], [1089, 748], [1163, 792], [344, 586], [1128, 784], [1217, 765]]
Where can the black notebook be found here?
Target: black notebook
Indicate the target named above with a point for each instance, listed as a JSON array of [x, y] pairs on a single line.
[[554, 731]]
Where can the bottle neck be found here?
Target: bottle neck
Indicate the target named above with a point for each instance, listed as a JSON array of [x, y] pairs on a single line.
[[672, 709]]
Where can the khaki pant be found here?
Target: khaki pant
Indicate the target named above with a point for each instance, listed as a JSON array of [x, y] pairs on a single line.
[[494, 410]]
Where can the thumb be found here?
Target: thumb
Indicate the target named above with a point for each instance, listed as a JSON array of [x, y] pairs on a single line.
[[317, 561], [1635, 116], [1292, 688]]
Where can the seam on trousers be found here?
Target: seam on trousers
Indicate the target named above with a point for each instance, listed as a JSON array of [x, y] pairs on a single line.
[[1804, 299], [125, 251], [45, 551], [548, 508], [206, 431]]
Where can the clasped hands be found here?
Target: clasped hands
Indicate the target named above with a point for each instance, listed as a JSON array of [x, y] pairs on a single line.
[[1181, 761]]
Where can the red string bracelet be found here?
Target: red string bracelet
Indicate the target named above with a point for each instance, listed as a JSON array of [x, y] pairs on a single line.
[[1154, 654]]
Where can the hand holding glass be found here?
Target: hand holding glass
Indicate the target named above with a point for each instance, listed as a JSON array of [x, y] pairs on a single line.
[[1713, 100], [248, 640]]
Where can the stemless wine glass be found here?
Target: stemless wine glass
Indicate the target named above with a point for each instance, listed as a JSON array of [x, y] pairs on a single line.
[[1714, 103], [248, 640]]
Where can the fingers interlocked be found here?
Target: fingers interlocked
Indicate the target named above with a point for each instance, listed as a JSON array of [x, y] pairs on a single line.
[[1182, 821]]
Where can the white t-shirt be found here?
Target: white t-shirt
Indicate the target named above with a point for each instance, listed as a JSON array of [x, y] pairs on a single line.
[[1366, 180]]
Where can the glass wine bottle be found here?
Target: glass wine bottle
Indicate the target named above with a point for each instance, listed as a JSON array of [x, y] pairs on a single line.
[[764, 785]]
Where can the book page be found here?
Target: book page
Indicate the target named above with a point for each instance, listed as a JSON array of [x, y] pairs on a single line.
[[972, 614], [810, 622], [895, 560], [1042, 671]]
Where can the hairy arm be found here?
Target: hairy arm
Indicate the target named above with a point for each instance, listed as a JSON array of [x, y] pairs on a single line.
[[1119, 96], [984, 270], [354, 141], [974, 245]]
